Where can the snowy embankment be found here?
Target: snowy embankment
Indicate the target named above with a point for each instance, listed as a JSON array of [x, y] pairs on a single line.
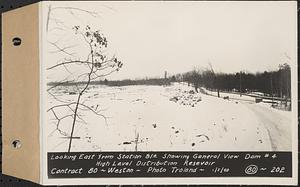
[[174, 118], [277, 122]]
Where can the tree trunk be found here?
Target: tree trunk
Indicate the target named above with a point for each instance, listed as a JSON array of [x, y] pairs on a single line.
[[78, 101]]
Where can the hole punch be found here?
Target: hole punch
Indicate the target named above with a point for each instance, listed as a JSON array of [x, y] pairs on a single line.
[[16, 144], [16, 41]]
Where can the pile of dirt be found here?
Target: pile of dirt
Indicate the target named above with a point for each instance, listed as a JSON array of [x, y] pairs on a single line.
[[187, 98]]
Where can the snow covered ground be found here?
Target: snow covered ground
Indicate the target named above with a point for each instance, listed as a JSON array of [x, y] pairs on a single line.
[[169, 118]]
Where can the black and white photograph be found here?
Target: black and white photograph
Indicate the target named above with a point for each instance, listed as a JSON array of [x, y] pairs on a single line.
[[177, 76]]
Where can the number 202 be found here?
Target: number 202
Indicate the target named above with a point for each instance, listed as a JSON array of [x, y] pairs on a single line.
[[278, 170]]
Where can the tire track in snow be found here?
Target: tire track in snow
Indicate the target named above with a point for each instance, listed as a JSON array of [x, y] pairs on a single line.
[[277, 125]]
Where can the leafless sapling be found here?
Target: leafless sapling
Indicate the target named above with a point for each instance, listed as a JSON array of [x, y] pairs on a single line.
[[95, 65]]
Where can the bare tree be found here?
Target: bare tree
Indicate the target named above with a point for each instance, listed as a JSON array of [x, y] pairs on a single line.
[[95, 64], [215, 82]]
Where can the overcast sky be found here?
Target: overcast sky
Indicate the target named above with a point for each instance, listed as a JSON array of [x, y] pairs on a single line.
[[153, 37]]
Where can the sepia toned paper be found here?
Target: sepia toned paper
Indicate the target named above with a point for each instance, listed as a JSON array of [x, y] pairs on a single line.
[[20, 93]]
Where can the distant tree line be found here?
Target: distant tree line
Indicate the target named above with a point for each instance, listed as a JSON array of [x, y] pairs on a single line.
[[276, 83], [128, 82], [125, 82]]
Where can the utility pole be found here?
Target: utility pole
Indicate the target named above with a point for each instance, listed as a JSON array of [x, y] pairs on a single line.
[[166, 78], [240, 83], [272, 89]]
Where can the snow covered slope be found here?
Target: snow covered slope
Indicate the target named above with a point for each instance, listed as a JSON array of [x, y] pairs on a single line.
[[174, 118]]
